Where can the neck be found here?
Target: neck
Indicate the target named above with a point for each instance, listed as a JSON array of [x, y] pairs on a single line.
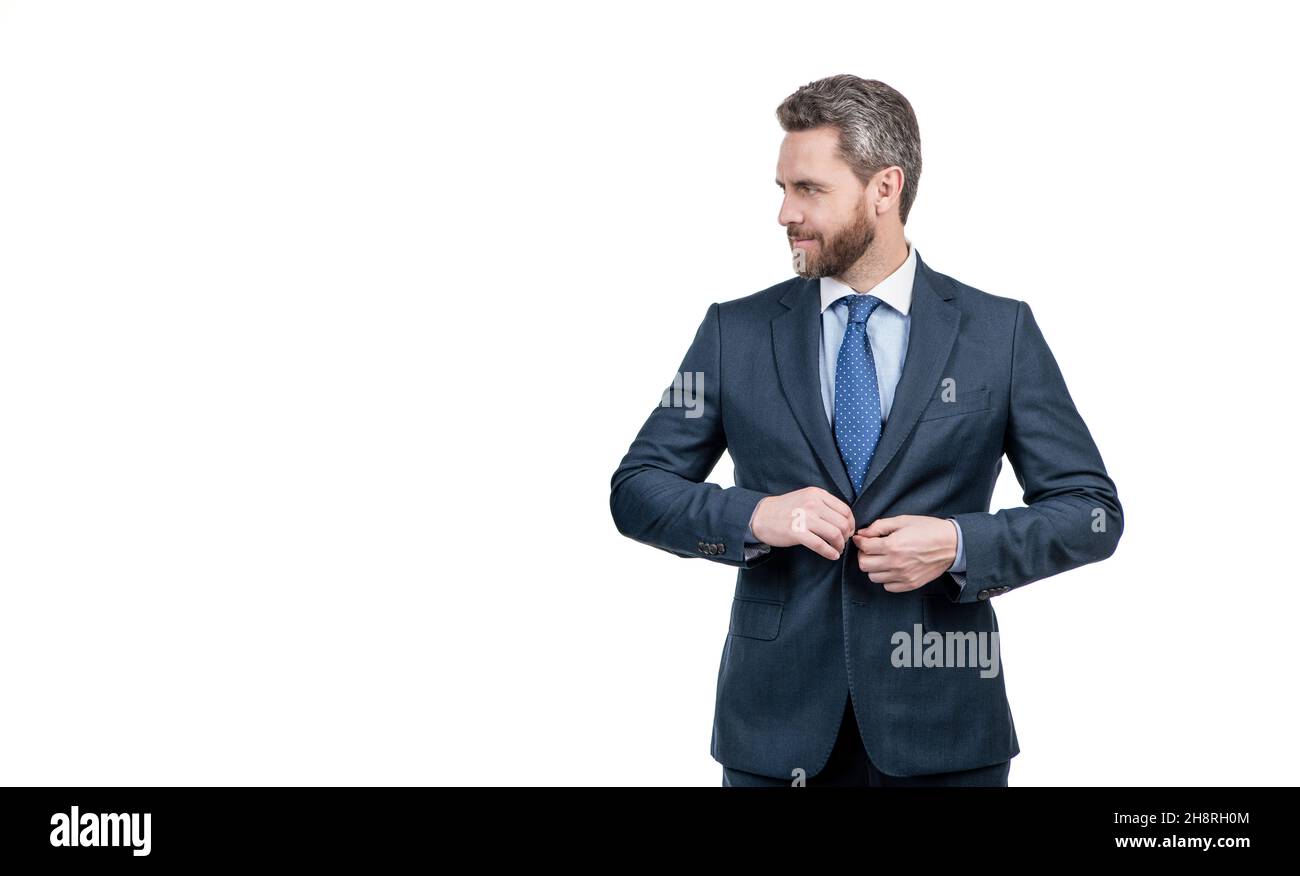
[[885, 255]]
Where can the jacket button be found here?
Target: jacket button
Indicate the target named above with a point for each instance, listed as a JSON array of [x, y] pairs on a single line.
[[983, 594]]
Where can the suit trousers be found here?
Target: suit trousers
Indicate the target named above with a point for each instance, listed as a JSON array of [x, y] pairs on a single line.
[[849, 766]]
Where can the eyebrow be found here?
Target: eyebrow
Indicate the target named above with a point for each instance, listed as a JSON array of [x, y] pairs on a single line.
[[801, 182]]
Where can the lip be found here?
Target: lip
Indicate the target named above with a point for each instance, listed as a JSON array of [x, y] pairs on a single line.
[[804, 242]]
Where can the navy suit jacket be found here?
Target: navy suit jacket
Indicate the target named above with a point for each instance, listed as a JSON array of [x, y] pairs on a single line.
[[807, 632]]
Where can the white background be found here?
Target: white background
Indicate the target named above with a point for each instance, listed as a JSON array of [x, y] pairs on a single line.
[[323, 327]]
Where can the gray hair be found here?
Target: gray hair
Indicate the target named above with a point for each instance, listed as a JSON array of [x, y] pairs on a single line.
[[876, 125]]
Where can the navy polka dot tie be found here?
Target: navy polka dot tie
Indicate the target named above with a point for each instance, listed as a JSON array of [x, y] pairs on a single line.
[[857, 394]]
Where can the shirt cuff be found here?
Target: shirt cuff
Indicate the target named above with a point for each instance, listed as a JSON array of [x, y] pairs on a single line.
[[754, 547], [959, 564]]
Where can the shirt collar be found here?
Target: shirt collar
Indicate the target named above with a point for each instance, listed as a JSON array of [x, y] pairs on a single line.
[[895, 290]]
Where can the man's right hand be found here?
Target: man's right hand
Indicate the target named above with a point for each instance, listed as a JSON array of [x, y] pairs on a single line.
[[811, 517]]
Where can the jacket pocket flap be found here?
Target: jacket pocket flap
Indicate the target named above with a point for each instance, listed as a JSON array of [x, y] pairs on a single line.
[[966, 401], [755, 619]]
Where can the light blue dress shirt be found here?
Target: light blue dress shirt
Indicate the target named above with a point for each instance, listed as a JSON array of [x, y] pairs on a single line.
[[888, 330]]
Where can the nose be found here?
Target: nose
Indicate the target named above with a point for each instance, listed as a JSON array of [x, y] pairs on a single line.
[[788, 215]]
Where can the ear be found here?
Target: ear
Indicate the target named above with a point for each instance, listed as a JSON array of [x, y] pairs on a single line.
[[887, 189]]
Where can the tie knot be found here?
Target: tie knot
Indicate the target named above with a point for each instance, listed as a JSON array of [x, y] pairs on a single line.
[[860, 306]]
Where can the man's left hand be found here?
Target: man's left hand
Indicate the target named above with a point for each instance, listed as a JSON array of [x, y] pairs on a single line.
[[906, 552]]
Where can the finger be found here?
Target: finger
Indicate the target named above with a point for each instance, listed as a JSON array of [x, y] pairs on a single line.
[[886, 576], [870, 545], [881, 527], [839, 506], [834, 510], [829, 533], [817, 544], [842, 522], [878, 568]]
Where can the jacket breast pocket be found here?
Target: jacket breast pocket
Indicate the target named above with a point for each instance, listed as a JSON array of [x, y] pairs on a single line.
[[964, 401], [755, 619]]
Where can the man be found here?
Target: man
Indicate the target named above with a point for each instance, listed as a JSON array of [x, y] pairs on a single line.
[[866, 404]]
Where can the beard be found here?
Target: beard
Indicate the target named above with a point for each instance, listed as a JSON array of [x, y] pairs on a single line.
[[834, 257]]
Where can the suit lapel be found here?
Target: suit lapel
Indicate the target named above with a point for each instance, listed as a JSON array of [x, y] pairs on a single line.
[[932, 332], [796, 337]]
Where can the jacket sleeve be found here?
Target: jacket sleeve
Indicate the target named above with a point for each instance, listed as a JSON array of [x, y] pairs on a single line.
[[658, 495], [1073, 514]]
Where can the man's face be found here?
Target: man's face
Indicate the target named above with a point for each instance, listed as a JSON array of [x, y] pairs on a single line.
[[825, 210]]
